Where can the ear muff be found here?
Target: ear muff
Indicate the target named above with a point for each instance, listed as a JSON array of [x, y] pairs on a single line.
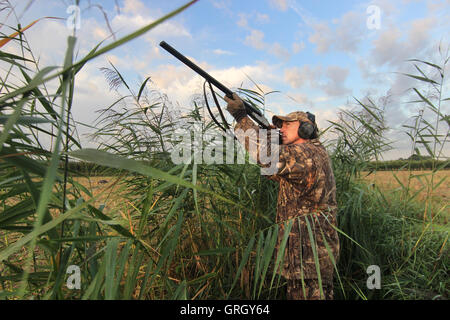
[[307, 130]]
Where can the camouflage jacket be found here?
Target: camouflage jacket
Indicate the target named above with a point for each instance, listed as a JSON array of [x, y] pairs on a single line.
[[307, 199]]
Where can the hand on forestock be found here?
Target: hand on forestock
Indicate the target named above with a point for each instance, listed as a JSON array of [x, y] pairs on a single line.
[[236, 107]]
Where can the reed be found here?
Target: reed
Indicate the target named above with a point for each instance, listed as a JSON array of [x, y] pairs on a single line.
[[191, 231]]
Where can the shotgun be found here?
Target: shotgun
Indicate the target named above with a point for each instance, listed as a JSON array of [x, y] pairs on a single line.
[[252, 111]]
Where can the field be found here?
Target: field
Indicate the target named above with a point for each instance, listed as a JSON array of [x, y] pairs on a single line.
[[417, 182], [388, 181]]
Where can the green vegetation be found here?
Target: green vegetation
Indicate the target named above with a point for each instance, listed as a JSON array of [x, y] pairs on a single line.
[[191, 231], [428, 164], [91, 169]]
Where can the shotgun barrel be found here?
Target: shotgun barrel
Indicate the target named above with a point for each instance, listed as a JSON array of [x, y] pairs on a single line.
[[253, 112]]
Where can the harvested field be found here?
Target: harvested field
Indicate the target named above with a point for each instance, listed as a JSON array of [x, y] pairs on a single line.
[[419, 182]]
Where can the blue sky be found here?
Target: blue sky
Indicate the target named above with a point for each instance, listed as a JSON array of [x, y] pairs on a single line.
[[320, 53]]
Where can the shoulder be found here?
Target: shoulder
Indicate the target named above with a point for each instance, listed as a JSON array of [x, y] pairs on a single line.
[[302, 150], [312, 155]]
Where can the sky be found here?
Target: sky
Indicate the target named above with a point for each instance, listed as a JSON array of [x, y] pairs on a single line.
[[318, 55]]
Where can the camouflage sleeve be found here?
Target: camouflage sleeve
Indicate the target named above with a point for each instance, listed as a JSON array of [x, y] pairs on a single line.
[[290, 162], [256, 141], [295, 165]]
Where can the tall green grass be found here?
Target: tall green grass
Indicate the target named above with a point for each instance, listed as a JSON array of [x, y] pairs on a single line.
[[33, 190], [393, 230], [189, 231]]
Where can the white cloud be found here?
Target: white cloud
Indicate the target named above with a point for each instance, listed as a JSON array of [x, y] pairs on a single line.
[[134, 7], [221, 4], [336, 79], [350, 31], [180, 83], [259, 18], [113, 59], [234, 77], [324, 116], [387, 48], [322, 99], [128, 23], [91, 88], [298, 46], [437, 5], [243, 20], [305, 76], [262, 18], [50, 49], [331, 82], [420, 32], [256, 40], [322, 37], [281, 5], [100, 33], [302, 99], [387, 7], [343, 34], [391, 50], [222, 52], [262, 87], [279, 51], [346, 35]]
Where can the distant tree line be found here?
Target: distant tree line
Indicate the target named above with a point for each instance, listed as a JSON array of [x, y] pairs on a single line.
[[412, 163], [417, 157], [90, 169]]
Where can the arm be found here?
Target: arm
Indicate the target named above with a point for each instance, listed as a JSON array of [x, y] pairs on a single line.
[[257, 141], [290, 162]]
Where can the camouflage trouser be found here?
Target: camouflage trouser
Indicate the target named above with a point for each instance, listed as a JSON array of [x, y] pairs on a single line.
[[299, 256], [311, 290]]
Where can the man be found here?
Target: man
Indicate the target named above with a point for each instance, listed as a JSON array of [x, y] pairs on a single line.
[[306, 199]]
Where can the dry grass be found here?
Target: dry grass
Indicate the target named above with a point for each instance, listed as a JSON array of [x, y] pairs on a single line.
[[96, 185], [419, 181], [112, 195], [385, 180]]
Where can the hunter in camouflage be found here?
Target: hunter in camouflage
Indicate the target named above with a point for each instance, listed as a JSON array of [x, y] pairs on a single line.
[[306, 200]]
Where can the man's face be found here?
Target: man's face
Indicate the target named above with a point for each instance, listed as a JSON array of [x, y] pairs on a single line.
[[289, 131]]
